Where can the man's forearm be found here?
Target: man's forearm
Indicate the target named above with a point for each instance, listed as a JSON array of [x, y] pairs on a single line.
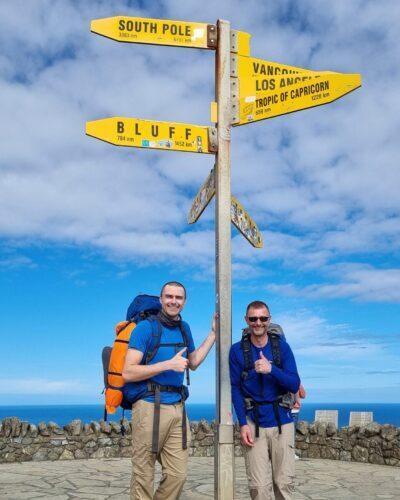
[[198, 356], [138, 373]]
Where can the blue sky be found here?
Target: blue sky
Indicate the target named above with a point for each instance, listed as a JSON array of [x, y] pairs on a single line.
[[85, 226]]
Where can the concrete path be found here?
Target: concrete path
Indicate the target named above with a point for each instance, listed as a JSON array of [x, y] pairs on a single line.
[[109, 479]]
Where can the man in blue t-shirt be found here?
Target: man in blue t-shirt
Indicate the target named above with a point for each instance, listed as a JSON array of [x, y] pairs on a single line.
[[160, 429], [270, 456]]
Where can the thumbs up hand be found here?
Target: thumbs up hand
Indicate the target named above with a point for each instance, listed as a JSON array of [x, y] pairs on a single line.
[[178, 363], [263, 365]]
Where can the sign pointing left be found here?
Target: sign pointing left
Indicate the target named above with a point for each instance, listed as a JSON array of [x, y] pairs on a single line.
[[157, 31], [151, 134]]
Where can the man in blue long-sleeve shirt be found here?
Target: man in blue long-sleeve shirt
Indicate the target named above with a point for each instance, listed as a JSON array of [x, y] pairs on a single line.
[[266, 427]]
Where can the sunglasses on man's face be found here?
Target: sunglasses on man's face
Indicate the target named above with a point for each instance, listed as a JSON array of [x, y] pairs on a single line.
[[263, 319]]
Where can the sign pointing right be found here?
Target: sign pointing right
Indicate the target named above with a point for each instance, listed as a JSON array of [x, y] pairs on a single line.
[[267, 89]]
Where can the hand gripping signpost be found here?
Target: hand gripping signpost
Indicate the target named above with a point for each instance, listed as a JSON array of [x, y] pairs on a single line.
[[247, 90]]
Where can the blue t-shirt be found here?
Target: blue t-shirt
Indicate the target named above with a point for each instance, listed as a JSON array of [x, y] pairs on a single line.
[[263, 387], [140, 340]]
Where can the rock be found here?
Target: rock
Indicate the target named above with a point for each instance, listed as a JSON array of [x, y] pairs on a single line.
[[331, 429], [360, 454], [354, 429], [388, 432], [11, 427], [87, 429], [95, 426], [321, 429], [54, 454], [115, 427], [345, 456], [43, 430], [302, 428], [372, 429], [56, 442], [105, 427], [314, 451], [105, 441], [67, 455], [313, 428], [329, 453], [80, 454], [74, 428], [33, 430], [24, 428], [374, 458], [40, 455], [55, 428]]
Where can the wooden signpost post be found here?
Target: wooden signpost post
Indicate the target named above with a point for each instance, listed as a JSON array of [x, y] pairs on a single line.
[[246, 90]]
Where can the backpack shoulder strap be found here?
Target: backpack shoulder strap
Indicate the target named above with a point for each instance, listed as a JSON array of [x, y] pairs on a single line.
[[182, 327], [275, 348], [245, 344], [155, 338]]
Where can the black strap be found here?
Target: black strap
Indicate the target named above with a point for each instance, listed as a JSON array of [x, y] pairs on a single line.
[[248, 358], [257, 420], [275, 348], [186, 342], [156, 420], [156, 330], [275, 406], [184, 428], [157, 389]]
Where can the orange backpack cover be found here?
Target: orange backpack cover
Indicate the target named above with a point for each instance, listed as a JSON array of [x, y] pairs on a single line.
[[113, 380]]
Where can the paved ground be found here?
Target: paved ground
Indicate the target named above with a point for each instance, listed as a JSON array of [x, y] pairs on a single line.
[[109, 479]]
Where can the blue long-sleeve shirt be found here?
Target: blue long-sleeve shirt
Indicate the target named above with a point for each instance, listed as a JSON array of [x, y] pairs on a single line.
[[262, 387]]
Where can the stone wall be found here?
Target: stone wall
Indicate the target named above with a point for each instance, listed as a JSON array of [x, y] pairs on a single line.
[[22, 441]]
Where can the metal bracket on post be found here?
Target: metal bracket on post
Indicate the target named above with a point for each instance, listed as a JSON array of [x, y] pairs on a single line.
[[234, 41], [212, 36], [212, 140], [240, 43], [234, 66], [234, 88], [235, 100]]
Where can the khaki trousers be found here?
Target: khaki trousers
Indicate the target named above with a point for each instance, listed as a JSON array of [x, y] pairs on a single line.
[[270, 463], [172, 457]]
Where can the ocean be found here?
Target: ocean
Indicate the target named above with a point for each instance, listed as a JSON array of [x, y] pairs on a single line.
[[63, 414]]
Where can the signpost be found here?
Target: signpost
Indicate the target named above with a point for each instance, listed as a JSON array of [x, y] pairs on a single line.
[[247, 90]]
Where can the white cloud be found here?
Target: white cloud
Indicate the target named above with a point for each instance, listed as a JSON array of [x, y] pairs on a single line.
[[363, 283]]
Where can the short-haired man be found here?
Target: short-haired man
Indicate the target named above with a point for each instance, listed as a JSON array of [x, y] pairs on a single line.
[[160, 429], [270, 456]]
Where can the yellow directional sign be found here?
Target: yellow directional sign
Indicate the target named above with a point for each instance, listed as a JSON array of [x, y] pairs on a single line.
[[245, 224], [257, 75], [320, 89], [239, 217], [264, 89], [151, 134], [157, 31]]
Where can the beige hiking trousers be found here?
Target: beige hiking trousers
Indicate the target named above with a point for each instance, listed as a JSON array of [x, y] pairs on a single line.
[[172, 457], [270, 463]]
